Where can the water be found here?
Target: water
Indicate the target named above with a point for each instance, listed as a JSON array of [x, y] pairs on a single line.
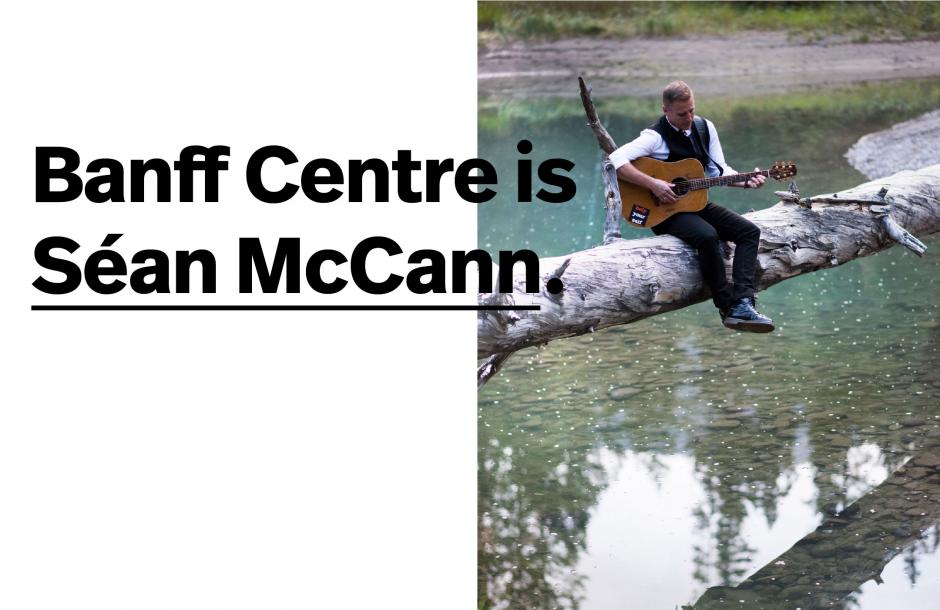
[[670, 461]]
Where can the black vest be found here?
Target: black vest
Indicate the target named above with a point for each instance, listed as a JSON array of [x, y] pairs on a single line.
[[680, 147]]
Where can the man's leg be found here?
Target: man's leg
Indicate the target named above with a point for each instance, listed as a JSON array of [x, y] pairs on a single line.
[[746, 236], [695, 231], [743, 315]]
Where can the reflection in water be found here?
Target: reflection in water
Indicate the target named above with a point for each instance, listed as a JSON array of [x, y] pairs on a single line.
[[824, 569], [671, 462], [647, 507], [531, 534]]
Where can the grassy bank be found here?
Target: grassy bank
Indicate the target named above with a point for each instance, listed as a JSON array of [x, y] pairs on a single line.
[[854, 21]]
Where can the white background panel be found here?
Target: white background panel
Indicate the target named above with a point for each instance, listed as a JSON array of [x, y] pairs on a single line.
[[235, 459]]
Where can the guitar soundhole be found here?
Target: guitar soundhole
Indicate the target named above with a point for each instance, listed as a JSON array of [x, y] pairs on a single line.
[[681, 186]]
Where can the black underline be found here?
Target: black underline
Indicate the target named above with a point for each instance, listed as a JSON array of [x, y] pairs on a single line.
[[285, 307]]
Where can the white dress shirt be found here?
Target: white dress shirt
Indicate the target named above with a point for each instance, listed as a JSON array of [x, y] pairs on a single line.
[[650, 144]]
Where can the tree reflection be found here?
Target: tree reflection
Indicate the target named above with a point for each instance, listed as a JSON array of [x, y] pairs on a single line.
[[533, 513]]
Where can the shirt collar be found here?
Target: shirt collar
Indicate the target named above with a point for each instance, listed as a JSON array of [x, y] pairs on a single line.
[[687, 132]]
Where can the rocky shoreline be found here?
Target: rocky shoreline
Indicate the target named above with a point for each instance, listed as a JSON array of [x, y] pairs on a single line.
[[909, 145]]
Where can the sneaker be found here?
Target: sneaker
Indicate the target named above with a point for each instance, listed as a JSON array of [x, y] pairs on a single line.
[[743, 316]]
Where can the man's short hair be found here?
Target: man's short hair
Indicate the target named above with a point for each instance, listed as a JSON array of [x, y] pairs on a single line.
[[676, 91]]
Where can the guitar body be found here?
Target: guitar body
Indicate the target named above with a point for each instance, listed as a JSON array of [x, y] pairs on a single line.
[[641, 209]]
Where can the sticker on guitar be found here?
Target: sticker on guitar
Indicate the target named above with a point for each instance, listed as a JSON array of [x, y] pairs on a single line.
[[638, 215]]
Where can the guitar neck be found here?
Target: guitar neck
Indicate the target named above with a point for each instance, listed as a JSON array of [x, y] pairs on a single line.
[[704, 183]]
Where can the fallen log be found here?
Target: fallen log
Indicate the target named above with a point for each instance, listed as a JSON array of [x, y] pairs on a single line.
[[628, 280]]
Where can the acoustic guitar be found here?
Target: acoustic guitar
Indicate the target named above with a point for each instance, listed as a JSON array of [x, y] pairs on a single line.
[[643, 210]]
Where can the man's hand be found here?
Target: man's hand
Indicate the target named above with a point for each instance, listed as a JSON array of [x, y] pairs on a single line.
[[659, 189], [757, 181], [662, 190]]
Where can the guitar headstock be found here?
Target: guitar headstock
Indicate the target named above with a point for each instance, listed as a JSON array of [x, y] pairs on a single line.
[[782, 170]]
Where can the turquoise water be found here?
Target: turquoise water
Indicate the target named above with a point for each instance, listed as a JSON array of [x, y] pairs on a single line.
[[644, 466]]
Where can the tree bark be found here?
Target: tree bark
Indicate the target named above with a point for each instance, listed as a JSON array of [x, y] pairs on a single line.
[[604, 140], [626, 281]]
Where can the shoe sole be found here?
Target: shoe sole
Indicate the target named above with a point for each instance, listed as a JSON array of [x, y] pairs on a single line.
[[748, 325]]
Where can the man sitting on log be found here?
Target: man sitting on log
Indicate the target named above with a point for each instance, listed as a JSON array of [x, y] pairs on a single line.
[[679, 134]]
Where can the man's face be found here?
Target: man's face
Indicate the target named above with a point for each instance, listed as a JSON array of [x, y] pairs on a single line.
[[681, 114]]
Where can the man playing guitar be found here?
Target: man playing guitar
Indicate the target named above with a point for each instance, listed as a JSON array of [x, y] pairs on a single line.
[[678, 135]]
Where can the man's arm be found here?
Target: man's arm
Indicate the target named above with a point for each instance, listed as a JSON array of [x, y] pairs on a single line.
[[646, 145], [661, 189], [718, 156]]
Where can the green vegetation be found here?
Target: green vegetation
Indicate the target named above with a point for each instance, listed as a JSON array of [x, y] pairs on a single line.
[[854, 21]]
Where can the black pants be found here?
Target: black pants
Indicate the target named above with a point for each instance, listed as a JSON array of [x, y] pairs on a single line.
[[705, 231]]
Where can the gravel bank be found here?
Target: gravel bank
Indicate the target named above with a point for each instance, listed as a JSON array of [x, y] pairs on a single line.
[[750, 63], [909, 145]]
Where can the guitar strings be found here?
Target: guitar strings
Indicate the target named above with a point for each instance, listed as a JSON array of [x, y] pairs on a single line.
[[696, 184], [703, 183]]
